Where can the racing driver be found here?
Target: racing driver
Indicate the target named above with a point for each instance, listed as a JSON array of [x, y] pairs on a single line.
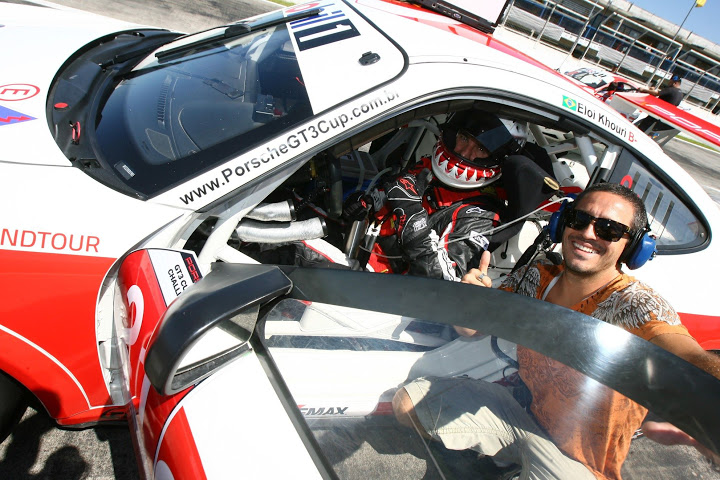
[[482, 177]]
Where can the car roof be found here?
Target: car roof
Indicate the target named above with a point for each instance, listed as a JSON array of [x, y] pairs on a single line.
[[431, 43], [446, 24]]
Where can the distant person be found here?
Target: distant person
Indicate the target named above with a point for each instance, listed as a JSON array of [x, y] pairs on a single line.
[[608, 93], [671, 94]]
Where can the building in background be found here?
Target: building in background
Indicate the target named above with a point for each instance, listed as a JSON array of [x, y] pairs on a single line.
[[619, 36]]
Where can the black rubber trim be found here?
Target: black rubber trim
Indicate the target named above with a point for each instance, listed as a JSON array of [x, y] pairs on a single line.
[[306, 435], [237, 30], [226, 291]]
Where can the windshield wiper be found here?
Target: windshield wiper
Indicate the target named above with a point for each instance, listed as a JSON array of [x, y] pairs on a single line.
[[124, 57], [236, 30]]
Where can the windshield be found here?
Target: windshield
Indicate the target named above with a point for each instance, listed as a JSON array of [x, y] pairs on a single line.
[[209, 98], [181, 114], [589, 78]]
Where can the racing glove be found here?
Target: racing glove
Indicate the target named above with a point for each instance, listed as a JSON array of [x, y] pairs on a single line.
[[404, 198], [357, 206]]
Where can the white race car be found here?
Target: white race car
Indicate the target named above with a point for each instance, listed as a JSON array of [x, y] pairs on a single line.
[[597, 81], [137, 163]]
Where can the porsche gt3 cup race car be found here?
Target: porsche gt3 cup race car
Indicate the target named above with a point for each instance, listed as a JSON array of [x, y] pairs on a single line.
[[597, 81], [153, 181]]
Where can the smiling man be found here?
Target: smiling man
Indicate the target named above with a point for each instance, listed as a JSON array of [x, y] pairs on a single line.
[[571, 427]]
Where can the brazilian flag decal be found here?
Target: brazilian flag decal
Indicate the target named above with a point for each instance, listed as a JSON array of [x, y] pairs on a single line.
[[569, 103]]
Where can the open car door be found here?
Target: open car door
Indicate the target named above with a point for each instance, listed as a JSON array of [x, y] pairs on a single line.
[[255, 359]]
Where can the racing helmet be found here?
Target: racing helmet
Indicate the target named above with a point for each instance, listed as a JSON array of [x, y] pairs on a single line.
[[518, 130], [458, 171]]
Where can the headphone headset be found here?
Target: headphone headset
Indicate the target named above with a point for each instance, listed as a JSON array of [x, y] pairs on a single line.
[[640, 249]]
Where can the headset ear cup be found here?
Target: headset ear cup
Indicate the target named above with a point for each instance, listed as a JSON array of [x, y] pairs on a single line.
[[642, 249], [557, 225]]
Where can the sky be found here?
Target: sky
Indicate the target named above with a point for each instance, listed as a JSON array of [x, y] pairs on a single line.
[[702, 21]]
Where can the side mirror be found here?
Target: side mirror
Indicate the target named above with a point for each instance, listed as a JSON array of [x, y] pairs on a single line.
[[210, 324]]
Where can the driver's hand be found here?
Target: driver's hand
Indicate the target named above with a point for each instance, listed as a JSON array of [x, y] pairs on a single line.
[[357, 206], [404, 198], [478, 276]]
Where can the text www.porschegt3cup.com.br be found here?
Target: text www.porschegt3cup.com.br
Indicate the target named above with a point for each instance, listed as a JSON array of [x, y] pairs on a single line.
[[293, 141]]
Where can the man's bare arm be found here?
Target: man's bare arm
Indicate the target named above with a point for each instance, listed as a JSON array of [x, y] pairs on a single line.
[[689, 350], [650, 90]]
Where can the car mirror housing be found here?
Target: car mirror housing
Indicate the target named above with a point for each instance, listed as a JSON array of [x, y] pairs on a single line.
[[220, 309]]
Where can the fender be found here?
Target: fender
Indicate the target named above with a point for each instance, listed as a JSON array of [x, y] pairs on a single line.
[[703, 327], [207, 433], [63, 374], [148, 281], [52, 383], [179, 452]]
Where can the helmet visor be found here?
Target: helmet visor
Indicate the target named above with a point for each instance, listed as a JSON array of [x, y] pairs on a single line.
[[494, 139]]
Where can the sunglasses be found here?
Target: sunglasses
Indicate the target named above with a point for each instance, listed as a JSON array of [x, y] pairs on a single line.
[[605, 229]]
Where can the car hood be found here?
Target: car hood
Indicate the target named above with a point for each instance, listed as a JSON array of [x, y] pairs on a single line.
[[37, 42]]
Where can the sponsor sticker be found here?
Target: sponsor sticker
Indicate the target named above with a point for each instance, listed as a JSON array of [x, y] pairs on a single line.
[[479, 240], [317, 411], [58, 242], [14, 92], [569, 103], [599, 118], [277, 152], [8, 116], [175, 272]]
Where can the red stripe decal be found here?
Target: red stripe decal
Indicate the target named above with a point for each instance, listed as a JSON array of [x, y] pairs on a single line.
[[178, 450]]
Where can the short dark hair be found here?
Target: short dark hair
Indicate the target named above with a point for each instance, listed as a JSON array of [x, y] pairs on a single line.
[[640, 219]]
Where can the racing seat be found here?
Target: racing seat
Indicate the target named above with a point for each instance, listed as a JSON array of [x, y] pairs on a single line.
[[527, 184]]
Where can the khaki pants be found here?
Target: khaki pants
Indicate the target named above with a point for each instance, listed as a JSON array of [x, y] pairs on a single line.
[[464, 413]]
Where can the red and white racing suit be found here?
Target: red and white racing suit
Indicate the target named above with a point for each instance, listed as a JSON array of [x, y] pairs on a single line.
[[459, 230]]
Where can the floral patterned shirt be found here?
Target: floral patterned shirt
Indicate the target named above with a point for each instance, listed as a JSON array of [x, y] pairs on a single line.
[[590, 422]]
